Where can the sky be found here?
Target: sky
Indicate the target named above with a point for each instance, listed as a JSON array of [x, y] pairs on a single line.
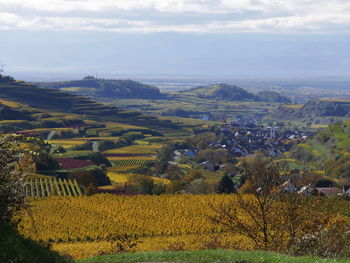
[[203, 38]]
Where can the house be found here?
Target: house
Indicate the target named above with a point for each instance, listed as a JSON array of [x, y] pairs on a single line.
[[190, 153], [288, 187], [346, 190], [208, 166], [328, 191], [307, 190], [177, 153]]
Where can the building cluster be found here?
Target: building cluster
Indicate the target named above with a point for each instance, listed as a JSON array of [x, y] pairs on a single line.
[[321, 190], [247, 139]]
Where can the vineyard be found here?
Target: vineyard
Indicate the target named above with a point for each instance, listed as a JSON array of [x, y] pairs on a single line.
[[129, 162], [125, 159], [150, 149], [81, 226], [45, 187], [84, 218]]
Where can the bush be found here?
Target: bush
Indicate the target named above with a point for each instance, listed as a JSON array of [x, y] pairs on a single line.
[[175, 186], [158, 189], [330, 242], [46, 164], [95, 177], [14, 160], [12, 178], [142, 183], [199, 186], [226, 186], [95, 157], [82, 147]]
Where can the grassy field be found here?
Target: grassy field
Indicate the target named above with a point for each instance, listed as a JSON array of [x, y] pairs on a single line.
[[208, 256]]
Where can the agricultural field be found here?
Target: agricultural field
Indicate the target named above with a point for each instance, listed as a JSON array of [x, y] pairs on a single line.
[[68, 143], [71, 137], [149, 149], [193, 106], [121, 178], [45, 187], [169, 220]]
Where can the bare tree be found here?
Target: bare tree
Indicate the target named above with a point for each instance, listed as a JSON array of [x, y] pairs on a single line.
[[262, 212]]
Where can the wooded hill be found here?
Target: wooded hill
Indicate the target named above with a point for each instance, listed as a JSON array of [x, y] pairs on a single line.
[[228, 92], [109, 88]]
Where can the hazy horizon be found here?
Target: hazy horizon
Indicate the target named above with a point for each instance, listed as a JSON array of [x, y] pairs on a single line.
[[186, 38]]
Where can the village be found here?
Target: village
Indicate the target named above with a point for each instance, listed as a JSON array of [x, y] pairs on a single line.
[[243, 138]]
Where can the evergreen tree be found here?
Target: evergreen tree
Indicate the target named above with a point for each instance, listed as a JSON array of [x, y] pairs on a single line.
[[226, 186]]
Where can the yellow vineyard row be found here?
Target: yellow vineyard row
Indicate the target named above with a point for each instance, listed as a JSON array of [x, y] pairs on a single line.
[[160, 243], [100, 216]]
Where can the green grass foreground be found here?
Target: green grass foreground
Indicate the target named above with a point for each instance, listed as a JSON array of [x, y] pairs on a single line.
[[208, 256]]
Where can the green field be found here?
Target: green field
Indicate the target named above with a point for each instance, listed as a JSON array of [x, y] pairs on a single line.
[[208, 256]]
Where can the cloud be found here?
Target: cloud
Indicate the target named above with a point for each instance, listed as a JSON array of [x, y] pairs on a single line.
[[110, 15]]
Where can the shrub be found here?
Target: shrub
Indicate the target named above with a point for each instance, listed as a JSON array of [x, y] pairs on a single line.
[[226, 186], [158, 189], [144, 184], [198, 186], [332, 240], [82, 147], [95, 157], [95, 177], [12, 178]]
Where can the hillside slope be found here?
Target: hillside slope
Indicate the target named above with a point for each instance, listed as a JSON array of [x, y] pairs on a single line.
[[57, 101], [272, 96], [328, 150], [233, 93], [321, 108], [222, 92], [106, 88]]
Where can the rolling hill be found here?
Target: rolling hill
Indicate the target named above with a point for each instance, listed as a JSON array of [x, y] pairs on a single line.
[[233, 93], [28, 98], [222, 92], [109, 88], [272, 96]]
